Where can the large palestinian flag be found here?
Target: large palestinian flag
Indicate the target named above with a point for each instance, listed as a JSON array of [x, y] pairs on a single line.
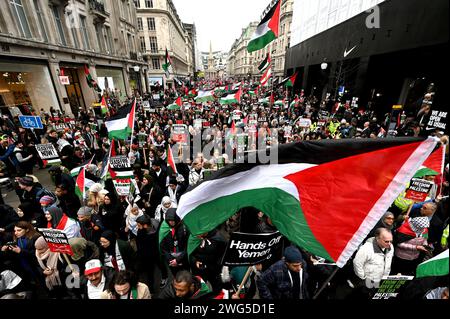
[[120, 126], [204, 96], [324, 196], [267, 30], [232, 98], [290, 81]]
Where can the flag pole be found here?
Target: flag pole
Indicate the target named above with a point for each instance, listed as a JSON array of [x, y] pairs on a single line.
[[326, 283]]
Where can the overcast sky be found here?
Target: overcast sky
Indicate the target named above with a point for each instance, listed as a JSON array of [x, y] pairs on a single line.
[[219, 21]]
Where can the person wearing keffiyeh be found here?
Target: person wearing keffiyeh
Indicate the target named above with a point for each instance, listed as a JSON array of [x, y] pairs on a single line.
[[411, 242]]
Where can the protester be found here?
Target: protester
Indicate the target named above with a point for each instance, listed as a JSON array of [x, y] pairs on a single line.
[[125, 286], [186, 286]]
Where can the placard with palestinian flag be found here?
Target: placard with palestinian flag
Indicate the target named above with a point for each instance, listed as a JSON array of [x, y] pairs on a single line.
[[324, 196], [48, 154], [121, 173]]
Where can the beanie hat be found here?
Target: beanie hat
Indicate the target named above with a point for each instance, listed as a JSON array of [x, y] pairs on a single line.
[[92, 266], [85, 211], [292, 255], [46, 200], [171, 214]]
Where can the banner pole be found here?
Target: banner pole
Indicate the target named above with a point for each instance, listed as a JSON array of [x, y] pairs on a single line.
[[326, 283], [69, 263], [247, 274]]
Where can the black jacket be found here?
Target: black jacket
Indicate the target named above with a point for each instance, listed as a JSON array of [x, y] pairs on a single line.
[[109, 275]]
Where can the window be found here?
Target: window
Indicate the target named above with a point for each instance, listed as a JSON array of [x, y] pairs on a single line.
[[139, 23], [84, 33], [142, 42], [59, 25], [19, 15], [40, 20], [137, 3], [73, 29], [155, 64], [151, 24], [108, 39], [130, 44], [99, 33], [148, 3], [153, 45]]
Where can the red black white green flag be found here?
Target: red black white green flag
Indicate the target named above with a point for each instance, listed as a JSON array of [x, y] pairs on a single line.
[[267, 30], [171, 160], [324, 196], [290, 81]]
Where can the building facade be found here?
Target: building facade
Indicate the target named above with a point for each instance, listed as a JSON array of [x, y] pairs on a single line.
[[241, 63], [214, 63], [48, 46], [385, 56], [160, 28]]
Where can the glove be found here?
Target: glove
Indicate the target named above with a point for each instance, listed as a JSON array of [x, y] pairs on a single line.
[[180, 178]]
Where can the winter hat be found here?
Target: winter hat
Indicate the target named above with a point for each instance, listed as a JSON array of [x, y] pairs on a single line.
[[109, 235], [95, 188], [85, 211], [46, 200], [26, 181], [292, 255], [92, 266], [171, 214]]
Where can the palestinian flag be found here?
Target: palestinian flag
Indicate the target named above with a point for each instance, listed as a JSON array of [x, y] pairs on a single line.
[[178, 101], [120, 125], [51, 162], [120, 168], [437, 266], [105, 166], [192, 93], [324, 196], [104, 106], [290, 81], [170, 159], [433, 165], [265, 63], [232, 98], [90, 81], [204, 96], [167, 66], [82, 184], [267, 30], [266, 76]]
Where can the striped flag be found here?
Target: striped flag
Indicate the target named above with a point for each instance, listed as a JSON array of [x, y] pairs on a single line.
[[267, 30], [326, 213], [265, 63], [120, 126], [266, 76], [170, 159]]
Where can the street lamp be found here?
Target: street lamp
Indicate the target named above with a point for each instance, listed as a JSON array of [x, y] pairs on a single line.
[[324, 66], [136, 68]]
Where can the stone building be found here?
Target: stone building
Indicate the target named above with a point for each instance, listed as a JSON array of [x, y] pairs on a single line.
[[160, 28], [48, 46]]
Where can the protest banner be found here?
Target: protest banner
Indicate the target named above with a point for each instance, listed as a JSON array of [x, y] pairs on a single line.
[[180, 133], [304, 122], [438, 120], [56, 240], [59, 127], [418, 190], [48, 154], [250, 249], [142, 138], [241, 141], [122, 186], [391, 286], [206, 124]]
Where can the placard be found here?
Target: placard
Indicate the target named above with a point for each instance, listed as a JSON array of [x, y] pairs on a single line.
[[46, 151], [391, 286], [122, 186], [418, 190], [56, 240], [180, 133], [304, 122], [438, 119], [250, 249]]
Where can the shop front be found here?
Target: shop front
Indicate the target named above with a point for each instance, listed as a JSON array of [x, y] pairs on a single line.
[[111, 81], [26, 88]]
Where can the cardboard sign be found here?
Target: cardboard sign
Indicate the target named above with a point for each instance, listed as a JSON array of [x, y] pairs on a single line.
[[206, 124], [46, 151], [146, 105], [59, 127], [56, 240], [180, 133], [251, 249], [418, 190], [287, 131], [391, 286], [120, 162], [438, 119]]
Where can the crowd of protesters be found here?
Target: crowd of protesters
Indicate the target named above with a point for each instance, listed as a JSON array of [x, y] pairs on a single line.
[[136, 247]]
